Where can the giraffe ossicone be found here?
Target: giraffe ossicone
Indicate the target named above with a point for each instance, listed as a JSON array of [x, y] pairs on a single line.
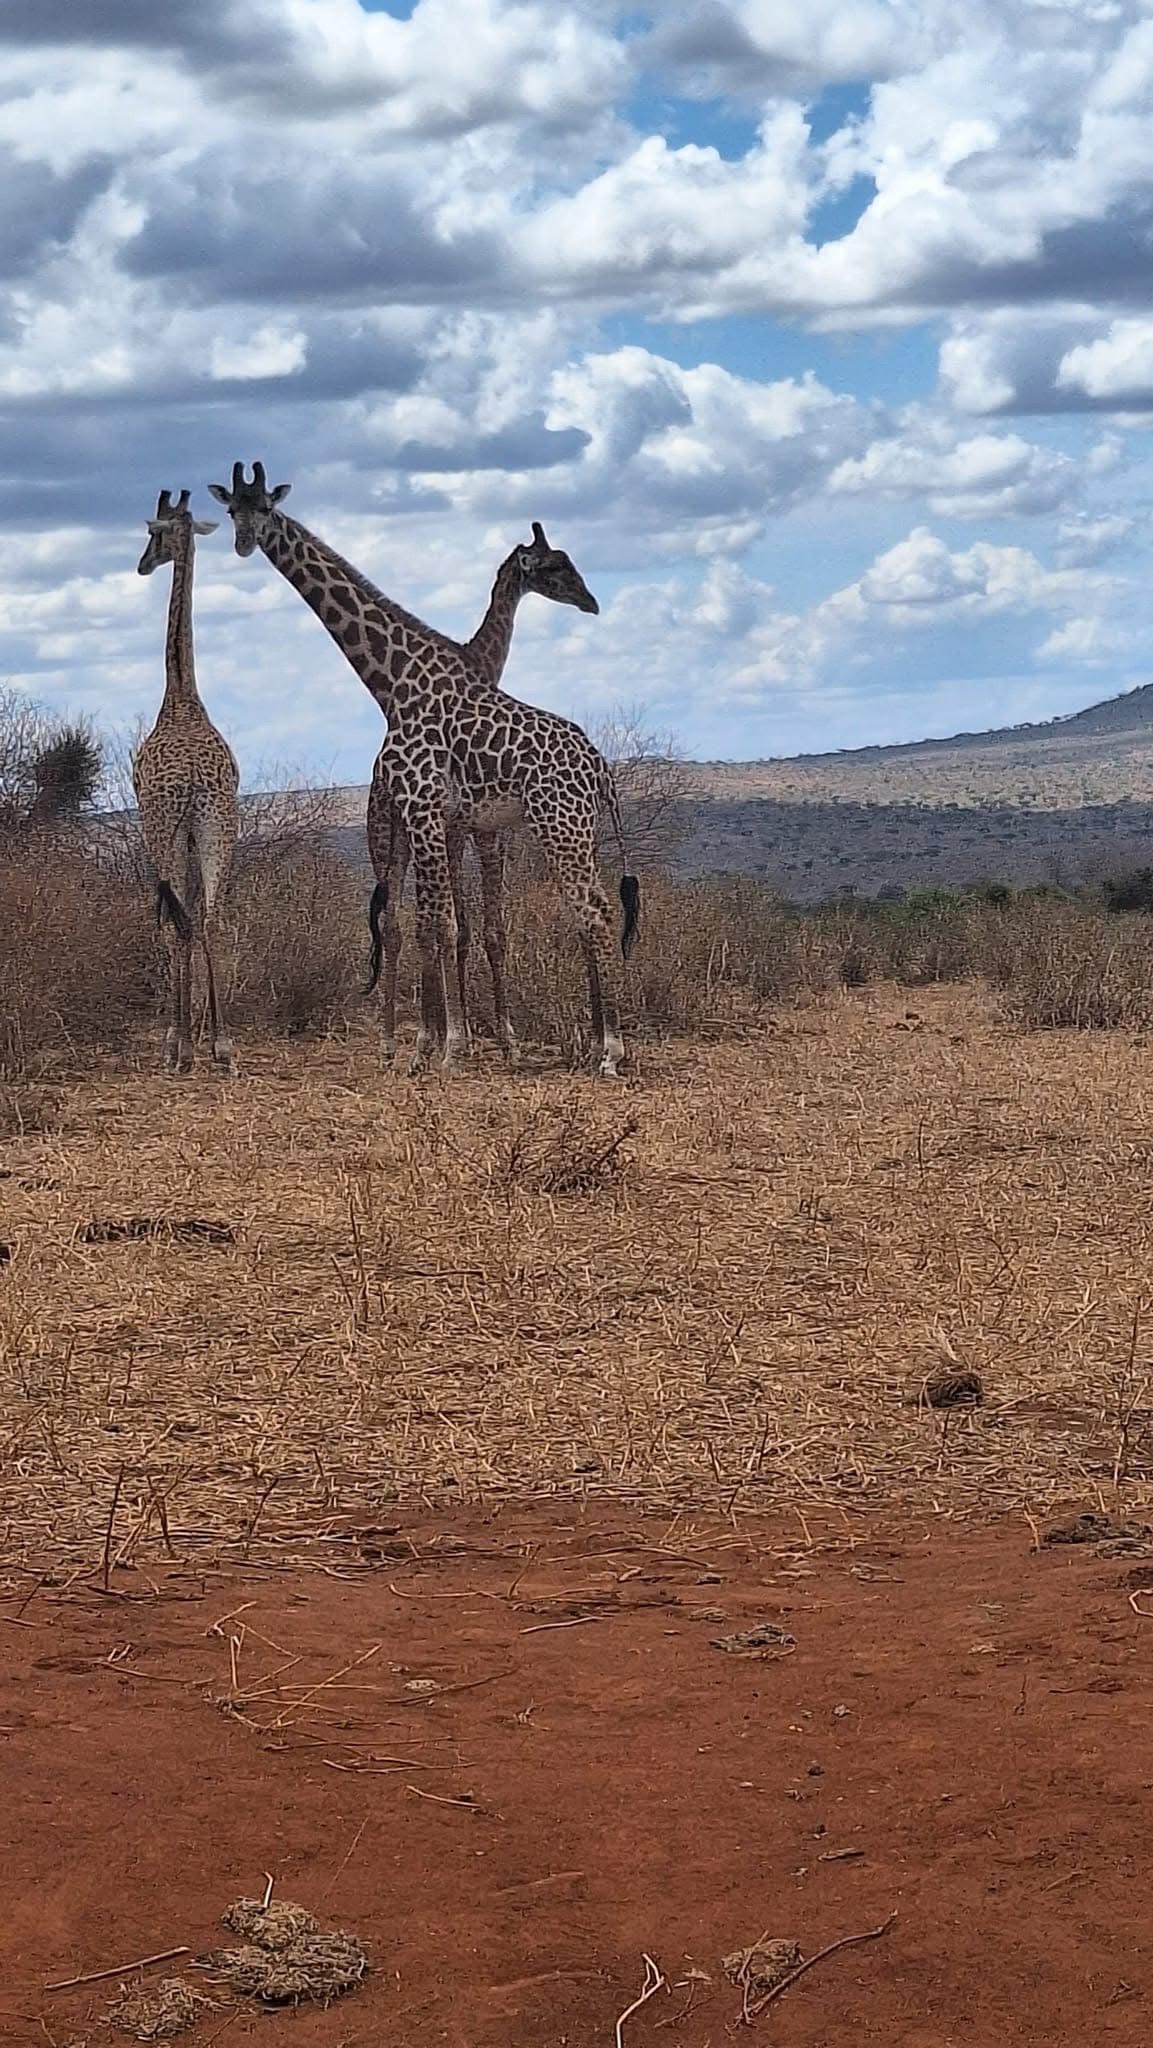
[[186, 783], [460, 757]]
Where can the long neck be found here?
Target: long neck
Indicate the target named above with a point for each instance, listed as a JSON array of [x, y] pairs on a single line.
[[493, 637], [180, 691], [375, 635]]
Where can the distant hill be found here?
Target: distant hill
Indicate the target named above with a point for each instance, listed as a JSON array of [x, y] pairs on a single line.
[[1063, 801]]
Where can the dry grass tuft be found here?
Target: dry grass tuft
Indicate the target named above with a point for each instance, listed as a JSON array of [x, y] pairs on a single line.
[[564, 1148]]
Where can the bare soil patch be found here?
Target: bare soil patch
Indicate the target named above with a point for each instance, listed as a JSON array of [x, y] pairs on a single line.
[[512, 1763]]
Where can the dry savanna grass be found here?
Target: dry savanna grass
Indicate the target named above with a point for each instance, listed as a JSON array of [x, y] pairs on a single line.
[[724, 1284]]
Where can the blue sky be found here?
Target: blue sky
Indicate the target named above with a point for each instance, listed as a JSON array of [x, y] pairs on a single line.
[[815, 335]]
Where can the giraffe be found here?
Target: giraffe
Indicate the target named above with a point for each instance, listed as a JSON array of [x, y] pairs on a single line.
[[534, 567], [459, 755], [186, 782]]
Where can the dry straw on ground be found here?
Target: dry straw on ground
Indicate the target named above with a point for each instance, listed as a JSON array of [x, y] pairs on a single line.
[[421, 1304]]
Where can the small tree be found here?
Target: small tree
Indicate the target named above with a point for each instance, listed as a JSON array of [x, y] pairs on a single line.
[[51, 769], [67, 771]]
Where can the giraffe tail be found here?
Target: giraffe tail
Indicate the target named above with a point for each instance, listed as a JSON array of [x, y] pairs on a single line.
[[630, 885], [378, 904], [168, 905]]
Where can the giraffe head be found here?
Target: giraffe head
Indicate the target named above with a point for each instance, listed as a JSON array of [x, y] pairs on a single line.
[[550, 573], [170, 531], [250, 505]]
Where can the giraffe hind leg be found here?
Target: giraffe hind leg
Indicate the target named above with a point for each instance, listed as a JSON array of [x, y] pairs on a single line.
[[436, 937], [389, 854], [491, 855], [456, 846], [213, 840], [574, 869], [170, 859]]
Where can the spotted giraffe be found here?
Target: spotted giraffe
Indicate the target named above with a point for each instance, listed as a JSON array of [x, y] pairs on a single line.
[[186, 782], [460, 756], [533, 567]]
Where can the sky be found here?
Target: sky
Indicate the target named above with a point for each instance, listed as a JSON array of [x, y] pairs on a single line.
[[820, 336]]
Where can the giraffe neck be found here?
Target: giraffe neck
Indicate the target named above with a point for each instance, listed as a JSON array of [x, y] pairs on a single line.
[[378, 637], [180, 691], [490, 643]]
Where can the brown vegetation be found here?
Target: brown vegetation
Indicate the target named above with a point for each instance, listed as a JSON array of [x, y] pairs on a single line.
[[725, 1284]]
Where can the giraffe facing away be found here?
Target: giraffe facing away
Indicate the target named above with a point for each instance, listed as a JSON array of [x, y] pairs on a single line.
[[459, 755], [533, 567], [186, 782]]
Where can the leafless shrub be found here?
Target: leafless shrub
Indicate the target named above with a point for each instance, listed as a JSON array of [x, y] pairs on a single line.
[[1072, 969], [79, 965]]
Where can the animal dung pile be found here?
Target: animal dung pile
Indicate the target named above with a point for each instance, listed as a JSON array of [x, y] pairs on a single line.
[[286, 1956], [762, 1966], [131, 1229], [766, 1640], [1092, 1527], [952, 1390], [157, 2012]]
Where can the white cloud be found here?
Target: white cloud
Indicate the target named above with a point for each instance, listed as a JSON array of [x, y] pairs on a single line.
[[1093, 642], [416, 265], [974, 476], [1090, 538], [1118, 366]]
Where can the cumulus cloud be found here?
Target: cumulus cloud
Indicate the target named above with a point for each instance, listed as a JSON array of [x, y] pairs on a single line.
[[752, 46], [415, 261], [444, 70], [973, 476]]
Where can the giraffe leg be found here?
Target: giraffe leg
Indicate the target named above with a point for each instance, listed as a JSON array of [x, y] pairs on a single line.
[[490, 853], [184, 1049], [394, 886], [571, 855], [172, 1038], [436, 938], [170, 851], [213, 838], [456, 846], [388, 851], [221, 1043]]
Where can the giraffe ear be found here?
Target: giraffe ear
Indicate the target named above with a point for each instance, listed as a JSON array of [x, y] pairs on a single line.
[[221, 493], [205, 525], [280, 492]]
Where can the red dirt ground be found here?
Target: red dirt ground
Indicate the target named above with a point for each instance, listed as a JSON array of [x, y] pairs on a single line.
[[968, 1716]]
